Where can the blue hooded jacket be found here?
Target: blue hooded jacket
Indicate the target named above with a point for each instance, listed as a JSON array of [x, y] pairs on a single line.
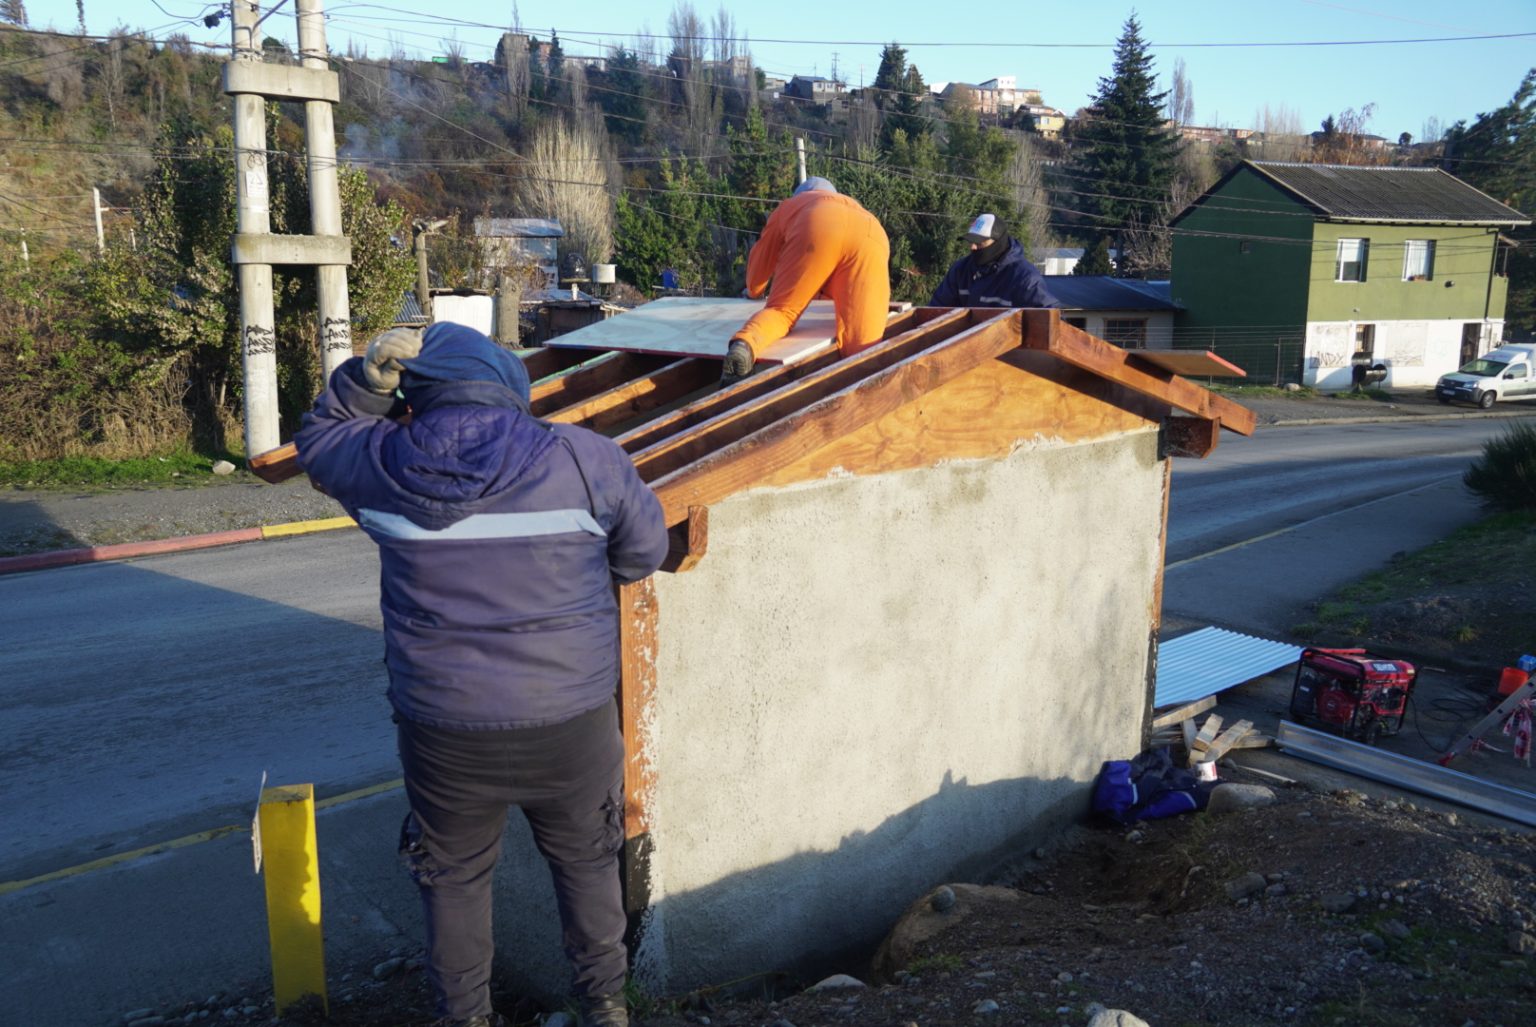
[[500, 537], [1009, 281]]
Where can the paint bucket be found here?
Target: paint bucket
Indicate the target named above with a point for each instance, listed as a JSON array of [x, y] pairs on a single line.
[[603, 274], [1205, 770], [1510, 678]]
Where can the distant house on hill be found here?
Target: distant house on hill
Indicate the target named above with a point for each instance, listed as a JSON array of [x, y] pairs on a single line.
[[1304, 266], [813, 88], [511, 241]]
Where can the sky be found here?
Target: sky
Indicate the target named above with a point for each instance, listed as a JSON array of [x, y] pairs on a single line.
[[1339, 55]]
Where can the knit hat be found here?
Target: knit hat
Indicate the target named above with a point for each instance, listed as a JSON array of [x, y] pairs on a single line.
[[457, 353], [817, 183], [984, 229]]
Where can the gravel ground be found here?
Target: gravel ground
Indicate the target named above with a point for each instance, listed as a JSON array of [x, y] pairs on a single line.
[[1312, 908], [33, 521]]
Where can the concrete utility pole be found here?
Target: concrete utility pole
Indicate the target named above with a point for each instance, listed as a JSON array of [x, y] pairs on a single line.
[[800, 153], [251, 83], [335, 314], [101, 239], [258, 335]]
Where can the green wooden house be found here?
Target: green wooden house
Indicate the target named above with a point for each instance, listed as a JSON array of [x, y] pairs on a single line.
[[1292, 270]]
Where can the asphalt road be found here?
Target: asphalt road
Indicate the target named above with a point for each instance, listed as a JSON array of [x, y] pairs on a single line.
[[144, 700]]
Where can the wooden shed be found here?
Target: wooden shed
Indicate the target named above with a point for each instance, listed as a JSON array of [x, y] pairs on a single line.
[[912, 603]]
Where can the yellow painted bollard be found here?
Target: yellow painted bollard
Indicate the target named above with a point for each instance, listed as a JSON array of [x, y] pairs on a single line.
[[291, 859]]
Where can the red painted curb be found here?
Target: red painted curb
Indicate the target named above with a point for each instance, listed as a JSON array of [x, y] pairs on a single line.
[[125, 550]]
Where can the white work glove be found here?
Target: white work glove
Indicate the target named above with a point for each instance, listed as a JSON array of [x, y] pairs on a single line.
[[381, 365]]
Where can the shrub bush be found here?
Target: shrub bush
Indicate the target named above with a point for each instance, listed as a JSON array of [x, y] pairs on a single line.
[[1505, 474]]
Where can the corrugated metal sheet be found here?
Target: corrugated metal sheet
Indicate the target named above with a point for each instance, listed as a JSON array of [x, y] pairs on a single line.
[[1207, 661], [1102, 292]]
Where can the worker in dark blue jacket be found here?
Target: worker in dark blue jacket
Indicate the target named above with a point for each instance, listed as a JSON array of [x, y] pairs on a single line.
[[994, 274], [500, 537]]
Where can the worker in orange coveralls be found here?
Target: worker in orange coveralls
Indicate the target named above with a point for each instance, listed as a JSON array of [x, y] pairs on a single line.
[[817, 243]]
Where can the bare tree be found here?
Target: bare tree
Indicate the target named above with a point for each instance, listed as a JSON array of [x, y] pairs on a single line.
[[686, 65], [567, 177], [1026, 187], [1343, 139], [512, 54], [14, 12], [1433, 130], [1181, 97]]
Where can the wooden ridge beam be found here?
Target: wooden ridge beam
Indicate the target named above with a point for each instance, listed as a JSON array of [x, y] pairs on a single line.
[[1080, 349], [624, 402], [1190, 436], [590, 379], [734, 423], [781, 437]]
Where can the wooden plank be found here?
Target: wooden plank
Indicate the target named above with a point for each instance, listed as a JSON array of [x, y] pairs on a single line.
[[275, 465], [687, 542], [589, 380], [1181, 713], [543, 361], [1254, 740], [1189, 362], [733, 424], [1225, 741], [1079, 348], [637, 695], [1207, 735], [781, 438], [755, 387], [624, 402], [1190, 436]]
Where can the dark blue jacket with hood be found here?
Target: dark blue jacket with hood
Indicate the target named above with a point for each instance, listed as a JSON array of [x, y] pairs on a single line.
[[1008, 281], [499, 539]]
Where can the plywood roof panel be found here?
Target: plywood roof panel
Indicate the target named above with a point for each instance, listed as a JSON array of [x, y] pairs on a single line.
[[694, 326]]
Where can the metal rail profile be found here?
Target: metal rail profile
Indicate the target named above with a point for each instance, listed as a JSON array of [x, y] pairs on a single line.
[[1413, 775]]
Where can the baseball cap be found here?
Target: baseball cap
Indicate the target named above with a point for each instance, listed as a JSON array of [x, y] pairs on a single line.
[[984, 229]]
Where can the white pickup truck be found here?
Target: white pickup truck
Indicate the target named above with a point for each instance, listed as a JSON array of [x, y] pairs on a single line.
[[1508, 372]]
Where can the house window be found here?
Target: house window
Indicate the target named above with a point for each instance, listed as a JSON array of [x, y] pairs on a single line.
[[1418, 260], [1350, 265], [1127, 333], [1076, 322]]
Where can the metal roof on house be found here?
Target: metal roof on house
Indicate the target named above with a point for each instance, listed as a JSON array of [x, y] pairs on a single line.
[[519, 228], [1102, 292], [1413, 195]]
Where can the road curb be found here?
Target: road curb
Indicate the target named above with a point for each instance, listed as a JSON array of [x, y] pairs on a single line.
[[157, 547]]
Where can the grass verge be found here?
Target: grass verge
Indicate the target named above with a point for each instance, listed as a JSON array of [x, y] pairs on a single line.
[[176, 468], [1467, 597]]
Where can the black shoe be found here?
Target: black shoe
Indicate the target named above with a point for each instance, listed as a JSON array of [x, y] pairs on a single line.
[[608, 1011], [738, 363]]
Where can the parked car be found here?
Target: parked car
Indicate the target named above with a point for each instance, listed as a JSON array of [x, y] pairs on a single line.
[[1503, 373]]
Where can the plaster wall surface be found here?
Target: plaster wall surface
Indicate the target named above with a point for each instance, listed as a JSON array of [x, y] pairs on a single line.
[[875, 684], [1416, 353]]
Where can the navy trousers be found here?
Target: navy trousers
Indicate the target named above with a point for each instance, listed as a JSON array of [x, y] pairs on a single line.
[[568, 780]]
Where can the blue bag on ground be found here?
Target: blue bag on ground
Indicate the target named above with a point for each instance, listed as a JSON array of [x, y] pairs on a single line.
[[1146, 788]]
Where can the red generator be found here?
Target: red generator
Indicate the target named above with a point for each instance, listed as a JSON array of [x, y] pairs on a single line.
[[1352, 693]]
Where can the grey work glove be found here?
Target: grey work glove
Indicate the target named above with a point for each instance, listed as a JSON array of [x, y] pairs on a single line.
[[381, 365]]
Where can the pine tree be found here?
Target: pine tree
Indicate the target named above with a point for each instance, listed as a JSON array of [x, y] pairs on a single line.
[[1095, 260], [899, 92], [1123, 159], [1497, 154]]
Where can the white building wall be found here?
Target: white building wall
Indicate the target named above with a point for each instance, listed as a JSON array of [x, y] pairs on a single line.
[[1416, 353], [872, 685], [1159, 325], [478, 312]]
